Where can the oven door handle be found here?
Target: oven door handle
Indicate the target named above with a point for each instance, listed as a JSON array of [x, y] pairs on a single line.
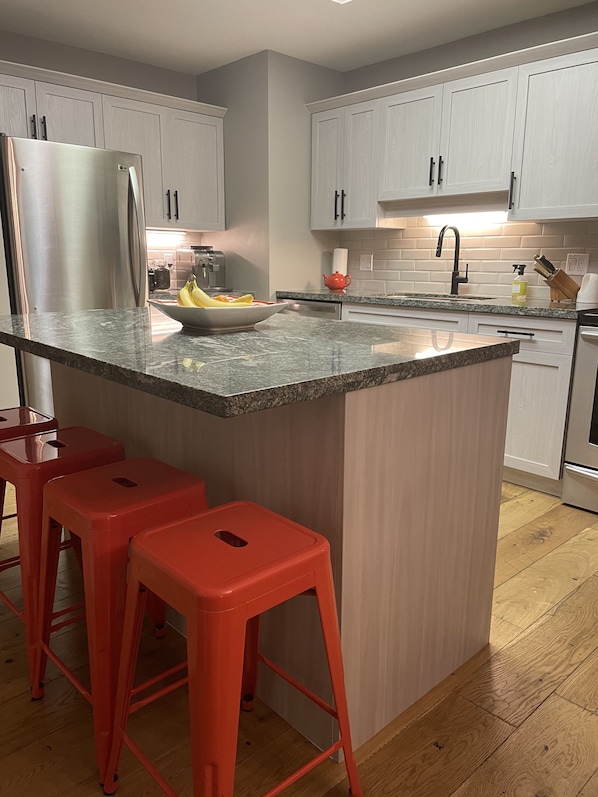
[[589, 333], [588, 473]]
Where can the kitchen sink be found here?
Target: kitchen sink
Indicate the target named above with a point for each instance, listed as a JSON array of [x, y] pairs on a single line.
[[443, 296]]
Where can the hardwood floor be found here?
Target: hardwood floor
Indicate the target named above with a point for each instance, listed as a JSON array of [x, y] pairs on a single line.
[[520, 719]]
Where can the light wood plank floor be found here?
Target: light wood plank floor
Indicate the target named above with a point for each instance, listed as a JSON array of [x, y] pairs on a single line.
[[520, 719]]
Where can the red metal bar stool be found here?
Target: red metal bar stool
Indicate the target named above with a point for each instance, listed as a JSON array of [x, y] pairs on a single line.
[[221, 570], [104, 508], [17, 422], [28, 463]]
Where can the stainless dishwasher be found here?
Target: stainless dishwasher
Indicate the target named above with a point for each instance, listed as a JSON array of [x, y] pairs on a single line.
[[311, 308]]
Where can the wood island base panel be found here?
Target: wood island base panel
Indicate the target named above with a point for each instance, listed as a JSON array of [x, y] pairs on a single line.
[[402, 476]]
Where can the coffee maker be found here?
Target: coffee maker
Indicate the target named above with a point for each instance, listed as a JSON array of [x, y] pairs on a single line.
[[208, 268]]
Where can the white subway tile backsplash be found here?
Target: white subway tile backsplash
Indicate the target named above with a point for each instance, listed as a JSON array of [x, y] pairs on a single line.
[[405, 259]]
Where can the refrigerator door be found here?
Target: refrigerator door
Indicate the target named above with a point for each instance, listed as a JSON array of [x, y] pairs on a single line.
[[74, 235]]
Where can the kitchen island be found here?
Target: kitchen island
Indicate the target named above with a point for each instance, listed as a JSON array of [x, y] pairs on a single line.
[[388, 441]]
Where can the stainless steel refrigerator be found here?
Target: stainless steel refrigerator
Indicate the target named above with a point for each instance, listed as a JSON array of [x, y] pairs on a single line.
[[74, 236]]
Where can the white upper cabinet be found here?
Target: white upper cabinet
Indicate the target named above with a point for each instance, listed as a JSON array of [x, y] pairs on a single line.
[[17, 105], [183, 161], [344, 167], [69, 115], [556, 141], [449, 139], [32, 109]]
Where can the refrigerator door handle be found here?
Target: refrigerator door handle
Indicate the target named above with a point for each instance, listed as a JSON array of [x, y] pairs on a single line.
[[136, 239]]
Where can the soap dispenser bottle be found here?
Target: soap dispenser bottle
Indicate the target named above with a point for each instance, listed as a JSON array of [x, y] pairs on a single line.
[[519, 291]]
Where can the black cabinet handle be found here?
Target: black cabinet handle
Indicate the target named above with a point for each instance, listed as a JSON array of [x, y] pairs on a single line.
[[511, 190], [168, 209], [44, 129], [336, 196], [176, 205], [33, 127], [343, 214], [431, 175], [440, 165], [512, 332]]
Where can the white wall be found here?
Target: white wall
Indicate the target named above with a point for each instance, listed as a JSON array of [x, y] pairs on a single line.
[[267, 143], [552, 27], [76, 61]]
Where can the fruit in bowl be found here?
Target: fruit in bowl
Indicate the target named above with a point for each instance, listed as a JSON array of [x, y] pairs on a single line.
[[191, 295]]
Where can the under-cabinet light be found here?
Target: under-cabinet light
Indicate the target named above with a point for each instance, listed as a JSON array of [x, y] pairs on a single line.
[[341, 2], [164, 239], [469, 221]]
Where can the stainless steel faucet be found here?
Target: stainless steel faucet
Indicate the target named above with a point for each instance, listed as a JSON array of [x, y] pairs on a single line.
[[456, 279]]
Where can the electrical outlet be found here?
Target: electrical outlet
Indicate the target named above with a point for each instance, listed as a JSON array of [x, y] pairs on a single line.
[[577, 264], [366, 262]]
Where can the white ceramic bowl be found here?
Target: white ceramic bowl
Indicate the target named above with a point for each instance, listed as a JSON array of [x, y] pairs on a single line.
[[228, 318]]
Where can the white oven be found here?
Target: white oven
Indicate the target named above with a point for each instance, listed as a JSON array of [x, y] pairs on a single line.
[[580, 474]]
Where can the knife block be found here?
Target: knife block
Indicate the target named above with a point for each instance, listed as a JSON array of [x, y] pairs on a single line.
[[561, 286]]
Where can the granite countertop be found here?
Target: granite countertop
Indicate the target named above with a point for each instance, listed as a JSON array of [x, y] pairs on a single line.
[[542, 308], [283, 360]]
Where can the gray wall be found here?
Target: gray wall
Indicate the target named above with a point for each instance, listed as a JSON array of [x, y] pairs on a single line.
[[267, 142], [552, 27], [75, 61]]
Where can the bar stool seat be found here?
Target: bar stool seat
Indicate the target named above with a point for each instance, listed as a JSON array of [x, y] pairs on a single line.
[[104, 508], [221, 570], [28, 463]]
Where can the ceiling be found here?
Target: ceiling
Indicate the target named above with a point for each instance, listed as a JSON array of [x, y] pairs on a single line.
[[194, 36]]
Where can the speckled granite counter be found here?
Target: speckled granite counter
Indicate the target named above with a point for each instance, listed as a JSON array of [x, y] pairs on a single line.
[[388, 441], [542, 308], [283, 361]]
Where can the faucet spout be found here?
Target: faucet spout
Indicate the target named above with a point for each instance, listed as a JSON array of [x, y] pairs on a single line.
[[456, 278]]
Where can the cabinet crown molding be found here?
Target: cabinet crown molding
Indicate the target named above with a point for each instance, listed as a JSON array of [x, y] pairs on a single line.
[[113, 89]]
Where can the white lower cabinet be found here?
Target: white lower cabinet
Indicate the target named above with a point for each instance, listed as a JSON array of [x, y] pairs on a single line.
[[539, 389], [539, 382]]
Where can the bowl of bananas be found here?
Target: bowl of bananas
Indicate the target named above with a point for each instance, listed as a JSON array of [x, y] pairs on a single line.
[[194, 309]]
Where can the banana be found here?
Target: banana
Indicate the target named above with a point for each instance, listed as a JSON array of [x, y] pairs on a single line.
[[201, 299], [184, 295]]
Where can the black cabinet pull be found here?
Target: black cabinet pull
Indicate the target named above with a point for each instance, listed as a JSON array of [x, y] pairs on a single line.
[[176, 205], [168, 210], [33, 127], [511, 190], [440, 165], [343, 214], [512, 332], [336, 196], [44, 129], [431, 175]]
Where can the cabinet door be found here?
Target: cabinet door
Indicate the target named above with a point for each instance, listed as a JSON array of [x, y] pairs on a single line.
[[17, 105], [69, 116], [410, 144], [137, 127], [476, 140], [361, 131], [537, 412], [326, 169], [556, 138], [194, 169]]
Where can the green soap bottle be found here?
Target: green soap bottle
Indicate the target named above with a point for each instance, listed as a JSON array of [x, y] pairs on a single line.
[[519, 290]]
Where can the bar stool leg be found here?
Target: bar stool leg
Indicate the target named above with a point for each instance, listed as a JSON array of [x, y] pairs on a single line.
[[30, 525], [134, 610], [250, 663], [215, 645], [105, 579], [330, 628], [51, 536]]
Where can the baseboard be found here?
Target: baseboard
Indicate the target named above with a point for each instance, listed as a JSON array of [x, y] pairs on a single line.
[[533, 482]]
